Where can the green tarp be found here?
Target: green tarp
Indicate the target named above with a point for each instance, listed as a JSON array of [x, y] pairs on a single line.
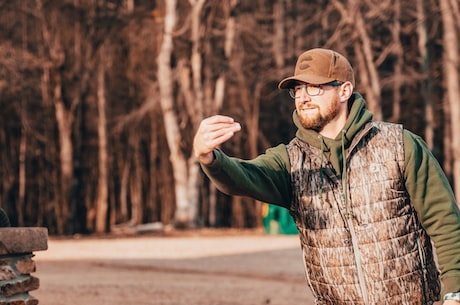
[[277, 220]]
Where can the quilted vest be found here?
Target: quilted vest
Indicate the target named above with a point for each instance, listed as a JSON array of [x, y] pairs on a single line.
[[361, 239]]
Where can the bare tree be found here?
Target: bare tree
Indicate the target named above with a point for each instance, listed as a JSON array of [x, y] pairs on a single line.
[[425, 66], [64, 115], [102, 189], [366, 63], [451, 61], [100, 99], [178, 160]]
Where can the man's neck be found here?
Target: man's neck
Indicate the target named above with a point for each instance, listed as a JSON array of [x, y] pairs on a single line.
[[333, 128]]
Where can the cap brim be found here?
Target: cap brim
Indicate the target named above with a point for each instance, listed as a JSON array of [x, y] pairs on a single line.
[[290, 82]]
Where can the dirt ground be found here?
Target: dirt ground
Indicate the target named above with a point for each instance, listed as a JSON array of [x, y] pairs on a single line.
[[201, 267]]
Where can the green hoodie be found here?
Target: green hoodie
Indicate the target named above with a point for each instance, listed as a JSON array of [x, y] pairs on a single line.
[[267, 178]]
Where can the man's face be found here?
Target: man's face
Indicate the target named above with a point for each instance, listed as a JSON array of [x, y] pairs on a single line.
[[315, 112]]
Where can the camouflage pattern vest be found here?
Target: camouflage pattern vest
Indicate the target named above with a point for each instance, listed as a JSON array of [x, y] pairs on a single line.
[[362, 243]]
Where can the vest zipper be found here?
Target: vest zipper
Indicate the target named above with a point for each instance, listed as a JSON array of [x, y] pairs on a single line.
[[351, 227], [357, 256]]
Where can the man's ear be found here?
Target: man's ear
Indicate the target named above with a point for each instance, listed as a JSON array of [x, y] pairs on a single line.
[[345, 91]]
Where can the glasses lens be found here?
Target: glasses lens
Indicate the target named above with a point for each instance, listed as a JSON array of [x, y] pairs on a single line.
[[313, 90], [297, 90]]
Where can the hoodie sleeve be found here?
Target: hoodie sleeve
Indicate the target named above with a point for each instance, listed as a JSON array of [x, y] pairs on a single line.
[[434, 201], [265, 178]]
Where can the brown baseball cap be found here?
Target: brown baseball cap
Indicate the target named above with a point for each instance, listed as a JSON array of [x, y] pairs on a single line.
[[320, 66]]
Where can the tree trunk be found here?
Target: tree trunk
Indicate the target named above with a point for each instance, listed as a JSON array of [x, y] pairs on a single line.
[[452, 79], [135, 184], [129, 4], [367, 66], [125, 169], [151, 205], [102, 187], [398, 52], [425, 64], [64, 121], [184, 214], [278, 37], [237, 212], [22, 178], [195, 60]]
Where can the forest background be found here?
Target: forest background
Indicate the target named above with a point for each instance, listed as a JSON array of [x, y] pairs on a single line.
[[100, 99]]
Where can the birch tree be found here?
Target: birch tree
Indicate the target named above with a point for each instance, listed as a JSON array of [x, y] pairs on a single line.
[[184, 171]]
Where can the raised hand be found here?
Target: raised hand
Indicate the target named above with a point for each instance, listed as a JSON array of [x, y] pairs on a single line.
[[213, 131]]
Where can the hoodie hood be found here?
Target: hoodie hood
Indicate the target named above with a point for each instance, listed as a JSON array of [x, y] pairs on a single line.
[[335, 149]]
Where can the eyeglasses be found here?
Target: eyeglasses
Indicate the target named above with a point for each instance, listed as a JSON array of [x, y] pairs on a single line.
[[312, 90]]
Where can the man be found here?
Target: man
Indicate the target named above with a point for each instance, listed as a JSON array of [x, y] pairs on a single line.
[[367, 197]]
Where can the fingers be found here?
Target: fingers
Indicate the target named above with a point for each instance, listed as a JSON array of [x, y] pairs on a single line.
[[216, 130], [213, 131], [216, 123]]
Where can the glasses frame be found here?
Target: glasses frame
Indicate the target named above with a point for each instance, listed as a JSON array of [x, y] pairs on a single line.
[[308, 87]]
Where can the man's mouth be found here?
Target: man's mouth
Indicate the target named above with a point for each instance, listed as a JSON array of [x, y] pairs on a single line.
[[309, 108]]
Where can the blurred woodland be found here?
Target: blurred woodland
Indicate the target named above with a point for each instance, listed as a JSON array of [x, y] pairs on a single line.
[[100, 99]]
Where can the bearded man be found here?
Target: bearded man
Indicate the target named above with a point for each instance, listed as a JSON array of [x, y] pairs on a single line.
[[368, 197]]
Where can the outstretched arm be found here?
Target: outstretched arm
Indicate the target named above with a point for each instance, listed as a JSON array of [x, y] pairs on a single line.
[[265, 178]]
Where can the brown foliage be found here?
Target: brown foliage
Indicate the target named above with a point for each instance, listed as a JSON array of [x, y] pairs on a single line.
[[227, 58]]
